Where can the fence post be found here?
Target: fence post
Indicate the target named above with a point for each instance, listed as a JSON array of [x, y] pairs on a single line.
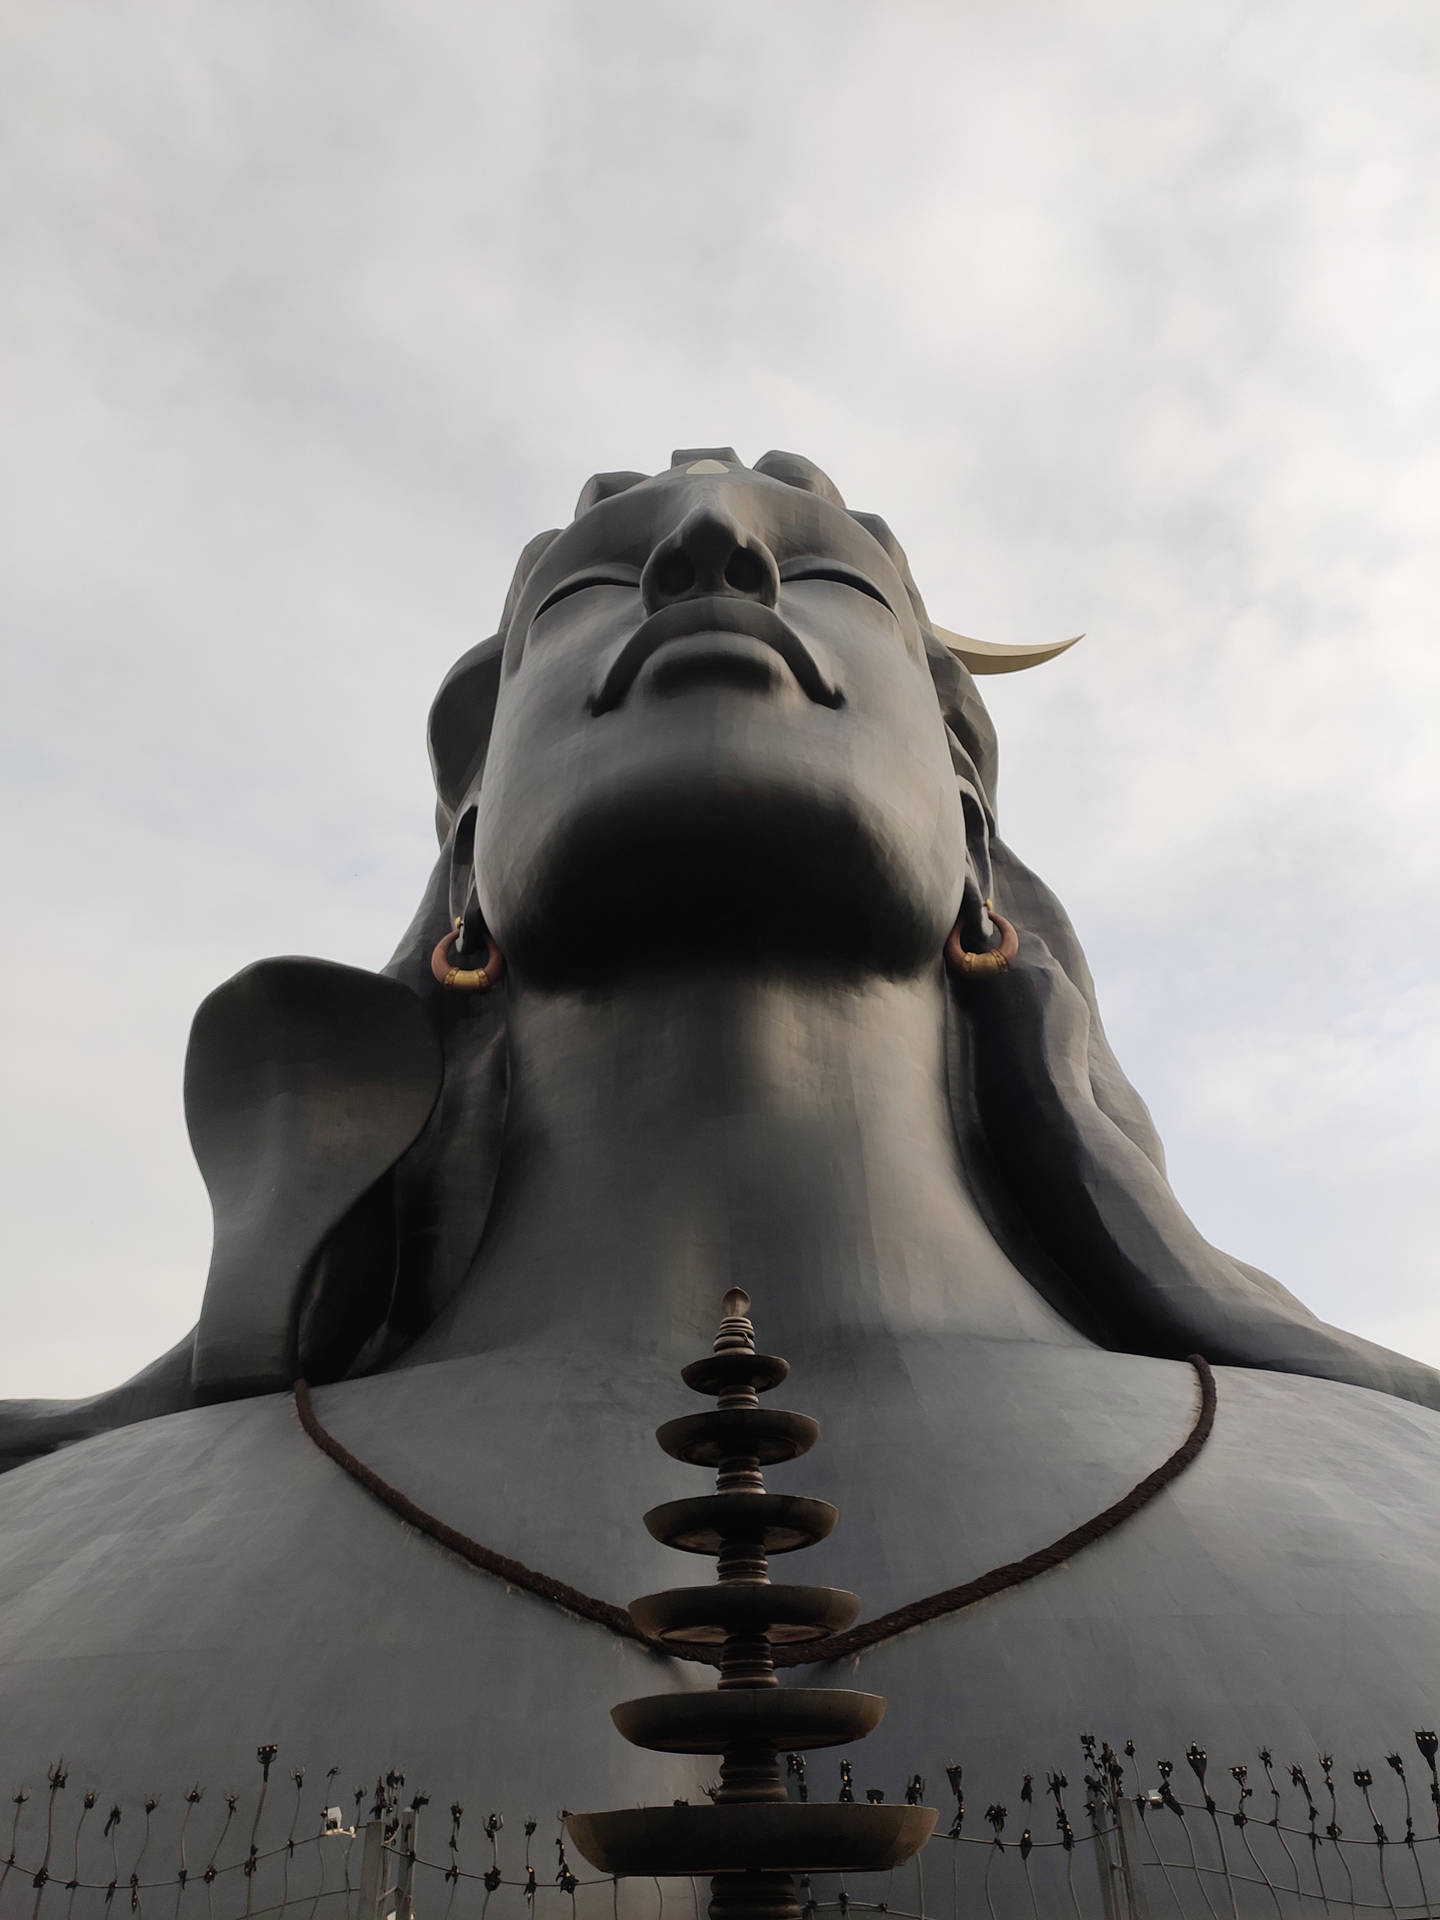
[[405, 1841], [1131, 1887], [1117, 1858], [372, 1868], [1106, 1871]]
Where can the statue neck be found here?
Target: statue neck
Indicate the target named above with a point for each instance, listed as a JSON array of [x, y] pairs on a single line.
[[675, 1137]]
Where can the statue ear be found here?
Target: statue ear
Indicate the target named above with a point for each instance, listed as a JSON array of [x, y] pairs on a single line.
[[979, 873], [462, 899], [304, 1083]]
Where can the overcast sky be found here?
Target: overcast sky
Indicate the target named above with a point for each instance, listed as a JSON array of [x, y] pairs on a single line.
[[1123, 315]]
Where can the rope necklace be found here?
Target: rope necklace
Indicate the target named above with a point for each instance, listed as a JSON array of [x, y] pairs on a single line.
[[871, 1633]]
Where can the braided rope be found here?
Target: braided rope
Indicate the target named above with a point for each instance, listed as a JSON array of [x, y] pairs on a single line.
[[935, 1606], [1016, 1572], [513, 1572]]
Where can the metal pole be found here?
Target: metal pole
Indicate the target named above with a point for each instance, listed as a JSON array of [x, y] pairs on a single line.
[[405, 1842], [1130, 1886], [372, 1868], [1112, 1901]]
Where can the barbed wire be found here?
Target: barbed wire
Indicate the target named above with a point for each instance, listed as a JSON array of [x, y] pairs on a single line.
[[1347, 1843]]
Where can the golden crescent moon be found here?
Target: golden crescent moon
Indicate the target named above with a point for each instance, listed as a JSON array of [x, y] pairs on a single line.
[[995, 656]]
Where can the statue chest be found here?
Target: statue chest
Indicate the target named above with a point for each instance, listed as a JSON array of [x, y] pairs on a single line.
[[182, 1590]]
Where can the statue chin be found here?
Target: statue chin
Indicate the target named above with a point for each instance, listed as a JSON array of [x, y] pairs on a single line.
[[670, 865]]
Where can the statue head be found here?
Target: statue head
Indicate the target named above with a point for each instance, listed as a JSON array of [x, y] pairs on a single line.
[[716, 707], [715, 718]]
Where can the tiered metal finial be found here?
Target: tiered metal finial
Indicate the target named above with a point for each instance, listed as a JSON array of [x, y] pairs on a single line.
[[750, 1838]]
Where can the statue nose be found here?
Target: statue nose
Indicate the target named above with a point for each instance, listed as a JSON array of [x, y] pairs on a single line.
[[709, 553]]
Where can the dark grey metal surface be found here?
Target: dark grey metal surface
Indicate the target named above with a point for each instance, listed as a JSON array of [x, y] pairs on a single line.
[[725, 1051], [179, 1590]]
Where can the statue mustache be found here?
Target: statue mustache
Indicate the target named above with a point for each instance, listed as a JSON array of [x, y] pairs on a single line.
[[713, 613]]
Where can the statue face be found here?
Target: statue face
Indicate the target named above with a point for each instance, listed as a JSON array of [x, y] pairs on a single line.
[[716, 733]]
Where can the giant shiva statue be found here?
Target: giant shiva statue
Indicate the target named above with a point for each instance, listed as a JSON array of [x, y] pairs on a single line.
[[723, 977]]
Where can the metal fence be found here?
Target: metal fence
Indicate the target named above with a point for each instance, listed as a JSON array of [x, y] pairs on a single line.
[[1113, 1837]]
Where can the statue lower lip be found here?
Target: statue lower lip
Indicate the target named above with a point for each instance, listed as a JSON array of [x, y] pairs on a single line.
[[710, 617], [714, 659]]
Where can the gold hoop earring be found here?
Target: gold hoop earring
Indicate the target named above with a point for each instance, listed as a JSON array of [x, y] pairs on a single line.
[[466, 979], [997, 960]]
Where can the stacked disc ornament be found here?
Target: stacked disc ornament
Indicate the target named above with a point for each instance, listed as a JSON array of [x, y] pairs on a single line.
[[750, 1839]]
